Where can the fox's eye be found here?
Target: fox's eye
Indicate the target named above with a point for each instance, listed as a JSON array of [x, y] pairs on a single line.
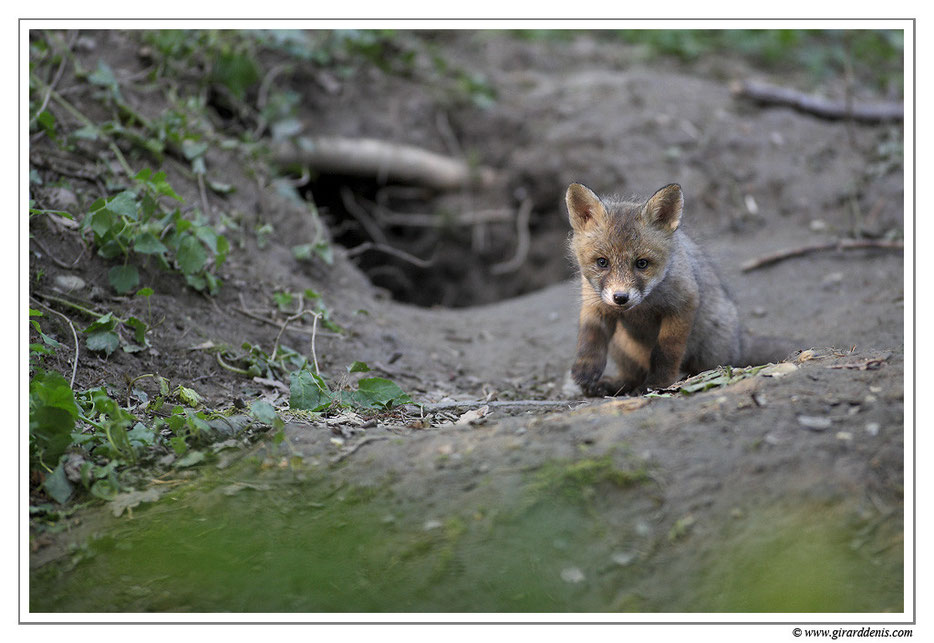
[[642, 264], [603, 262]]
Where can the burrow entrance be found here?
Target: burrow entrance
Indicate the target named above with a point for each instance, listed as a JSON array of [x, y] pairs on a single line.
[[447, 250]]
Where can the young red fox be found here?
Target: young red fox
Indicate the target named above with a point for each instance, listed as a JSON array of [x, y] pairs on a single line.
[[649, 296]]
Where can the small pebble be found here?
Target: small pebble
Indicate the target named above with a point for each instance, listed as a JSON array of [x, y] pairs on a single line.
[[572, 575], [623, 558], [69, 283], [844, 435], [872, 428], [815, 423]]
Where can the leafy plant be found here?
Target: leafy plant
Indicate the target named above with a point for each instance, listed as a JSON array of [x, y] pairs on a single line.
[[309, 392], [103, 334], [53, 413], [36, 351], [134, 225]]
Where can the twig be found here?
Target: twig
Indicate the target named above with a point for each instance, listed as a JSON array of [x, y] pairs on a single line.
[[351, 450], [418, 220], [71, 109], [843, 244], [232, 369], [362, 216], [447, 406], [82, 309], [203, 193], [263, 95], [447, 133], [244, 311], [74, 334], [299, 314], [401, 254], [522, 248], [58, 262], [817, 105], [314, 355]]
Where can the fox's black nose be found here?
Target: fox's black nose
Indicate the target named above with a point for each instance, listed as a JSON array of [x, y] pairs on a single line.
[[620, 298]]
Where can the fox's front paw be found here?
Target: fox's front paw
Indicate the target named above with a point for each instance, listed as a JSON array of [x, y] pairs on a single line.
[[587, 375]]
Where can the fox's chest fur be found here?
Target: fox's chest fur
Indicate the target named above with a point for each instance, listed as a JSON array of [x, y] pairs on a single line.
[[650, 299]]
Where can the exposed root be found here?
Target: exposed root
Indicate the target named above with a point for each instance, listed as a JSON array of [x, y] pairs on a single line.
[[522, 248], [384, 161]]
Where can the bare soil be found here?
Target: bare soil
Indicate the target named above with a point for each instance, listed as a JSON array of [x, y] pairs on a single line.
[[725, 463]]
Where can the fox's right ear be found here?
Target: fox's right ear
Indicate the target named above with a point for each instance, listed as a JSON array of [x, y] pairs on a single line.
[[584, 207]]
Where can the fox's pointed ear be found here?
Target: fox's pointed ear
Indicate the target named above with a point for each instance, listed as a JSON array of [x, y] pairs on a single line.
[[663, 210], [584, 207]]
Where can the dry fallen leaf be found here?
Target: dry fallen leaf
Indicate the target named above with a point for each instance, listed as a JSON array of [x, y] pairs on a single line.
[[473, 416]]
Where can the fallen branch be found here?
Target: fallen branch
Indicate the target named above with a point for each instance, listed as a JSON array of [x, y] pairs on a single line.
[[71, 304], [384, 161], [843, 244], [516, 404], [766, 94]]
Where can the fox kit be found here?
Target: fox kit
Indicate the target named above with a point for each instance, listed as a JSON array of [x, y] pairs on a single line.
[[650, 297]]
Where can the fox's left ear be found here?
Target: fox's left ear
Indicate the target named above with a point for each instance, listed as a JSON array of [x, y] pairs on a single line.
[[664, 208]]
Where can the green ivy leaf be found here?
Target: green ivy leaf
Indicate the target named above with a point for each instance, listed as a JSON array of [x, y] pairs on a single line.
[[101, 220], [191, 255], [58, 486], [51, 389], [52, 415], [101, 335], [123, 278], [124, 204], [237, 71], [46, 121], [308, 392], [107, 341], [148, 244], [358, 367], [265, 412], [104, 322], [139, 329], [377, 392]]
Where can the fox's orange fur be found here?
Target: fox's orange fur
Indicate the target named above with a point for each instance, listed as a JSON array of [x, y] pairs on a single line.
[[650, 298]]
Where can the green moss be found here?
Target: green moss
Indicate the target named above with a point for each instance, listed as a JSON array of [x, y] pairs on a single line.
[[578, 479]]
